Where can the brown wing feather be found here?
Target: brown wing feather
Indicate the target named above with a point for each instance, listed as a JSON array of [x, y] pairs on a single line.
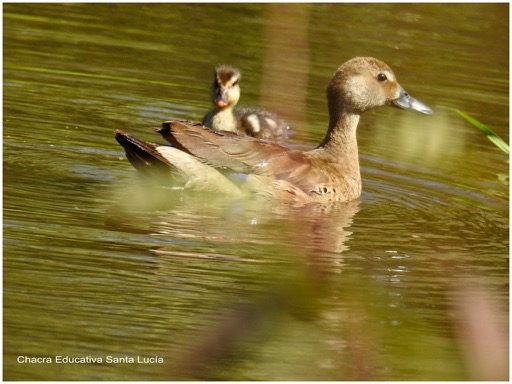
[[219, 148], [297, 168], [247, 154]]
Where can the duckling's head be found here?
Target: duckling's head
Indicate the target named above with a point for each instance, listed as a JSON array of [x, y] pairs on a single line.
[[225, 90], [364, 83]]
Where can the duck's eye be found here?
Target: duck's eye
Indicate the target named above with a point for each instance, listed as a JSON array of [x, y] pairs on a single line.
[[235, 82], [382, 77]]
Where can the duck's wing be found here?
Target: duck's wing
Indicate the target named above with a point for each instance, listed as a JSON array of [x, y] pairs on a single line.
[[249, 155], [220, 149], [298, 169]]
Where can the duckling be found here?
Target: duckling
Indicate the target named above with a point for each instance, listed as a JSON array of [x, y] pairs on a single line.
[[328, 173], [227, 116]]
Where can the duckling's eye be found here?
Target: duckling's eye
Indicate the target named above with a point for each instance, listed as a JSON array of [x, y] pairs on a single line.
[[235, 82], [382, 77]]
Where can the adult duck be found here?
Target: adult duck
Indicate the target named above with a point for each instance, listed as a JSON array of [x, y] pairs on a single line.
[[226, 115], [202, 157]]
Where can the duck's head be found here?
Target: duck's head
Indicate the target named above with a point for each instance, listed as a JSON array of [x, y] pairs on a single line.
[[225, 90], [364, 83]]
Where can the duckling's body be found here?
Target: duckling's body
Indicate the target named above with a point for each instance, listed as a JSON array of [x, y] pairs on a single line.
[[227, 116], [329, 172]]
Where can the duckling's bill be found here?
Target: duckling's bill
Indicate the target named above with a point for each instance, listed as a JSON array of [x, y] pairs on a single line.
[[222, 99]]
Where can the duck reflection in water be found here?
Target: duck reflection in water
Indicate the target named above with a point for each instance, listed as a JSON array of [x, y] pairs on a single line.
[[222, 246]]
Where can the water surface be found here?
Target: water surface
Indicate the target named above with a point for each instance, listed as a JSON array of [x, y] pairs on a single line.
[[98, 262]]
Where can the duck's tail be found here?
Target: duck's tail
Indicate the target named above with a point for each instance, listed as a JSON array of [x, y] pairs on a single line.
[[144, 156], [172, 164]]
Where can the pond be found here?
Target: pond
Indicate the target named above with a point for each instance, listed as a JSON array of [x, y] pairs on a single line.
[[108, 276]]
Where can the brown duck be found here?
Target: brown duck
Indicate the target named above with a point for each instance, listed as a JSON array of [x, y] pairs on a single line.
[[202, 158], [227, 116]]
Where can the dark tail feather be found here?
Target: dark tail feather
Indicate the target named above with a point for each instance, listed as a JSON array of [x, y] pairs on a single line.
[[144, 156]]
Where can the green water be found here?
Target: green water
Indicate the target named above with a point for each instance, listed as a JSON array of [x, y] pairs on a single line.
[[99, 263]]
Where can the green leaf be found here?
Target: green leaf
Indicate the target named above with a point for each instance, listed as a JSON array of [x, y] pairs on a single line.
[[491, 135]]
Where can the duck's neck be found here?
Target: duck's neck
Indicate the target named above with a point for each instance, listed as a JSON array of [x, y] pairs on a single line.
[[339, 150], [341, 139]]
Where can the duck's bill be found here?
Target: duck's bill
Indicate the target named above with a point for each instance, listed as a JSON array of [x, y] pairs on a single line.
[[406, 101]]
